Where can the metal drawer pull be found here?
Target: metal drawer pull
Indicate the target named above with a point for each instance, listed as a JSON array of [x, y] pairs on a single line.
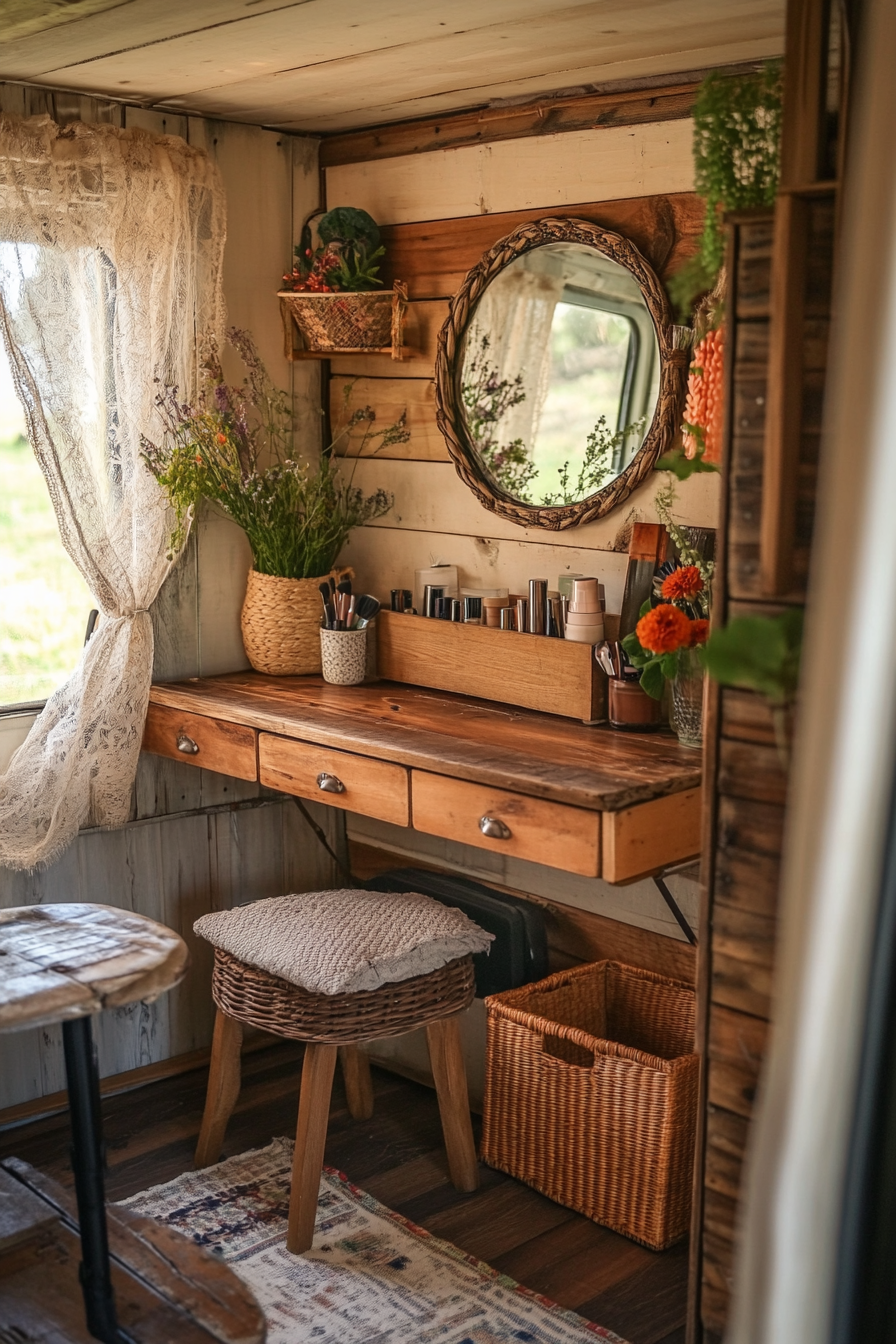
[[330, 784], [187, 745], [494, 828]]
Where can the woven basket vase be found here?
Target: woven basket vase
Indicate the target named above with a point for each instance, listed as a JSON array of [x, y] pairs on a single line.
[[280, 622]]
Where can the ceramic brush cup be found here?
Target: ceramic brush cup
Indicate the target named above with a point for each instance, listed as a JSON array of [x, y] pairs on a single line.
[[343, 656]]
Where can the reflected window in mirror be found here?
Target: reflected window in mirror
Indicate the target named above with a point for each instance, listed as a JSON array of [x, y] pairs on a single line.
[[560, 373]]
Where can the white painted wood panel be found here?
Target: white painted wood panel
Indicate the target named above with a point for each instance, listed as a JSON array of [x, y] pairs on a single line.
[[430, 496], [541, 171], [386, 558]]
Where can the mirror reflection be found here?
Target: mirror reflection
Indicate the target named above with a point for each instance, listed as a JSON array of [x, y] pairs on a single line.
[[560, 374]]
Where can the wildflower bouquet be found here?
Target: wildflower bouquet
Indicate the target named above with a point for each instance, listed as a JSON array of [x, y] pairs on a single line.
[[234, 447]]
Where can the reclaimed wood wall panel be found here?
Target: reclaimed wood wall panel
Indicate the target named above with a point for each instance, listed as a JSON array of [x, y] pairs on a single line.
[[410, 400], [747, 752], [435, 517], [432, 257]]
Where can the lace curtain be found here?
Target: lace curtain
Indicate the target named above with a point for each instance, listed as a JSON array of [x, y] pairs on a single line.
[[111, 249]]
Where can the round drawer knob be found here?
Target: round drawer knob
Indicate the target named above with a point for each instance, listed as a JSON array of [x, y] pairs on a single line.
[[494, 828], [187, 745], [330, 784]]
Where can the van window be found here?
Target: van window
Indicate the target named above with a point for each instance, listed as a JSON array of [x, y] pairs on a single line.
[[44, 602]]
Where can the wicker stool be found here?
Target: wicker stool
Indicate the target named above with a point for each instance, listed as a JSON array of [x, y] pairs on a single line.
[[331, 1024]]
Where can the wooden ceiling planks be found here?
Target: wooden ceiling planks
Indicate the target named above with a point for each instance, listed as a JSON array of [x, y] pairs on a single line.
[[20, 18], [329, 65]]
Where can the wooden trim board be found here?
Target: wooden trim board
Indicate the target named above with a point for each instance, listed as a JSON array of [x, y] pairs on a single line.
[[542, 116], [628, 103]]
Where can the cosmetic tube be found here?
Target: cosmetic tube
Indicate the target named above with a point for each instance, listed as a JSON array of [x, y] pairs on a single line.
[[431, 592], [538, 606]]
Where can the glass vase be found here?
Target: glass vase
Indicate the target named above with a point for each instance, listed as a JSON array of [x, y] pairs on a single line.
[[687, 699]]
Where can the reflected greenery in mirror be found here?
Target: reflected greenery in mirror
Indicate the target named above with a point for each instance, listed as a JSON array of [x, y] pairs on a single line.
[[559, 365]]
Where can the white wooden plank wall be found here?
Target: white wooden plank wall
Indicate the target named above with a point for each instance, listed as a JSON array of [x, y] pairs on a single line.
[[436, 518], [529, 174], [178, 857]]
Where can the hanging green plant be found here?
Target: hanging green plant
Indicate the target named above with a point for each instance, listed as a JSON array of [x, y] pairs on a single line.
[[737, 163]]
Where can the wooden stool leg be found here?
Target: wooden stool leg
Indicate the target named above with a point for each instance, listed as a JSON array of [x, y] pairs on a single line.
[[447, 1059], [311, 1137], [223, 1088], [358, 1082]]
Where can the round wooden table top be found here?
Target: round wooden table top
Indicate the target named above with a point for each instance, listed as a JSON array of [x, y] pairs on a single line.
[[66, 961]]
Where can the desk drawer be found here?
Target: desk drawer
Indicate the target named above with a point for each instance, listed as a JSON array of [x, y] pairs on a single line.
[[373, 788], [542, 832], [228, 748]]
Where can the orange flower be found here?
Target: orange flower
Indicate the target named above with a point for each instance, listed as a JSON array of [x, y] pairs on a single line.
[[682, 583], [699, 633], [221, 438], [663, 630]]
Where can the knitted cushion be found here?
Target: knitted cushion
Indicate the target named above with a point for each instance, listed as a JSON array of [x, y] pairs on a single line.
[[336, 942]]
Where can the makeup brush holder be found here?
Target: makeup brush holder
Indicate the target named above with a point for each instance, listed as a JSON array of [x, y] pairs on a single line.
[[343, 656]]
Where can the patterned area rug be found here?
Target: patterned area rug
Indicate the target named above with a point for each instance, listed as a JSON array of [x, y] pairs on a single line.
[[371, 1278]]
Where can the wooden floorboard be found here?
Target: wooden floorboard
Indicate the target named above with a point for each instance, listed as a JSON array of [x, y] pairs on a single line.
[[398, 1157]]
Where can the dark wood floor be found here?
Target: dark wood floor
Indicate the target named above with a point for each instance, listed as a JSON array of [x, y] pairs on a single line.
[[397, 1156]]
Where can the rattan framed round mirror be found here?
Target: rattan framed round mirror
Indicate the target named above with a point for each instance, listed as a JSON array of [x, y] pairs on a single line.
[[558, 382]]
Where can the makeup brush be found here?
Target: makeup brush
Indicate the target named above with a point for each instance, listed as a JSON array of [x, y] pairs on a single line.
[[366, 608], [325, 601]]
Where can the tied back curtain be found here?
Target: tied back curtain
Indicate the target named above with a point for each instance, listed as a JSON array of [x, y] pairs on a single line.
[[111, 247]]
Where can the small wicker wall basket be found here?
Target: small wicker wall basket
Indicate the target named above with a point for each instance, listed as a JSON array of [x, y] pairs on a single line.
[[344, 321], [280, 621], [591, 1095]]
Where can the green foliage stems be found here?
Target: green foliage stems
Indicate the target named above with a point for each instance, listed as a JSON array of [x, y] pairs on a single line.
[[737, 153]]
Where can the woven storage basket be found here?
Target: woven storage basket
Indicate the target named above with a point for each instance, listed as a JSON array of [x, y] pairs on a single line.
[[262, 1000], [280, 621], [591, 1095]]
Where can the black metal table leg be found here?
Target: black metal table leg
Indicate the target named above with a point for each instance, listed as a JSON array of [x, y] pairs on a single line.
[[87, 1163]]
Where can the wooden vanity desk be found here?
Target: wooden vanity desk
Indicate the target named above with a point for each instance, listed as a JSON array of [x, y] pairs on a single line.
[[587, 800]]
